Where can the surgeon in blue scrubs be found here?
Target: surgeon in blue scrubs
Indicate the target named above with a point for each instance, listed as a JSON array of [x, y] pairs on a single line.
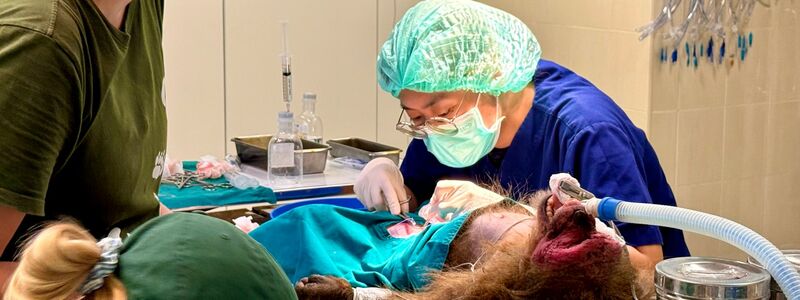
[[482, 106]]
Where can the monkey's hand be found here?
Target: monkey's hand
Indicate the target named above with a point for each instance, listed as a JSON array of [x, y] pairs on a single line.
[[319, 287]]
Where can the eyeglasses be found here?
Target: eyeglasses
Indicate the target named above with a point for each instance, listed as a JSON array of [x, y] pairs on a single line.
[[438, 125]]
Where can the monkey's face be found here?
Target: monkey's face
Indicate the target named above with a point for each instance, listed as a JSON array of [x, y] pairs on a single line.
[[565, 258], [568, 239]]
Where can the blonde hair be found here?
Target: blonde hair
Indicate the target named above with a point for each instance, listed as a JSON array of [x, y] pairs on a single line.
[[55, 263]]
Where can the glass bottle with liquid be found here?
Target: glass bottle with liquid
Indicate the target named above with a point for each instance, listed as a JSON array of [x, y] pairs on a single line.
[[309, 126], [285, 157]]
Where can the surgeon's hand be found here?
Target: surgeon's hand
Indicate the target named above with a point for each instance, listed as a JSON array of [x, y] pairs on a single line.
[[380, 187], [451, 198], [555, 186]]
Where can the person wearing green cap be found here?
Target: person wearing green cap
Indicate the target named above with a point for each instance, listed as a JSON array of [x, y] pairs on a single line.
[[175, 256], [83, 127], [483, 106]]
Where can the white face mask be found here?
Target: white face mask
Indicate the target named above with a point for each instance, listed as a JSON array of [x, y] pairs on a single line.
[[471, 143]]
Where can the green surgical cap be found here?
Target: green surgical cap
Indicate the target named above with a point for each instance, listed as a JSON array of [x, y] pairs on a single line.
[[448, 45], [193, 256]]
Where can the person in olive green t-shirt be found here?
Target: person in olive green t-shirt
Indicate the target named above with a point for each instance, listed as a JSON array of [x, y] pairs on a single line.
[[82, 119]]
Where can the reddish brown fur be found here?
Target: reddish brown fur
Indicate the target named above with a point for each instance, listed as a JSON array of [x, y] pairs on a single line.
[[509, 273], [317, 287], [460, 249]]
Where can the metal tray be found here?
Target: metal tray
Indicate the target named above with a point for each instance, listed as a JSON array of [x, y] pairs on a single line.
[[362, 149], [252, 150]]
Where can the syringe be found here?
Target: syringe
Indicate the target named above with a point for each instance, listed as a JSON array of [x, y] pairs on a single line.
[[286, 68]]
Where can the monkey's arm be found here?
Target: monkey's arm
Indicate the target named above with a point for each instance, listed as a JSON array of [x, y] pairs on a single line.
[[330, 287], [323, 287], [644, 259]]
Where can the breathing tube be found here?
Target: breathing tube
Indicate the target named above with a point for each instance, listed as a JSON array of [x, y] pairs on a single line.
[[784, 273]]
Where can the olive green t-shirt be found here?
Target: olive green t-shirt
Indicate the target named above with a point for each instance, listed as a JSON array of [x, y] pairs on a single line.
[[82, 121]]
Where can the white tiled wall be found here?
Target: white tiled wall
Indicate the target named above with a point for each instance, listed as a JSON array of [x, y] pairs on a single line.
[[699, 146], [780, 210], [745, 128], [596, 39], [729, 135]]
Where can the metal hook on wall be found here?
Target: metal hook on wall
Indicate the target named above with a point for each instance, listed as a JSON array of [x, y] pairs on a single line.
[[666, 15], [704, 20]]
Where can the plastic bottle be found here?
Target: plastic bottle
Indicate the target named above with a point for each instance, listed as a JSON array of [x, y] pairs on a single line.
[[309, 126], [285, 158]]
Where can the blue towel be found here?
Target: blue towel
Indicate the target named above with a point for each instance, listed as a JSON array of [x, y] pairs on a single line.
[[355, 245], [175, 198]]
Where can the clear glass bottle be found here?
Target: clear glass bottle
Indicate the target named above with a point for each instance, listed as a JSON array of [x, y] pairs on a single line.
[[309, 126], [285, 158]]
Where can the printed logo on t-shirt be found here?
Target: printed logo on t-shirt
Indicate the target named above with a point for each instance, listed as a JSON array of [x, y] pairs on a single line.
[[159, 167], [163, 93]]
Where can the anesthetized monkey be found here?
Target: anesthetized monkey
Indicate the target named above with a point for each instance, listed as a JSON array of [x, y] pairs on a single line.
[[563, 257]]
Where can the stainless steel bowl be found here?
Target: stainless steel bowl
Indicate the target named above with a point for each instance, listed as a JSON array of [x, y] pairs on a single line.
[[710, 278]]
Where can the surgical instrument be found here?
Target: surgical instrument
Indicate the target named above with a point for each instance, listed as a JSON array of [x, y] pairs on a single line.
[[190, 179], [575, 191], [286, 67]]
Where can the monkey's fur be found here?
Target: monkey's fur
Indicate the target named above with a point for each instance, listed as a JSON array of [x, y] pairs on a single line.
[[564, 258]]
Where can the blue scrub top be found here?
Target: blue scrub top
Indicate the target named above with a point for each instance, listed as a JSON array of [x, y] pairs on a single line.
[[572, 128]]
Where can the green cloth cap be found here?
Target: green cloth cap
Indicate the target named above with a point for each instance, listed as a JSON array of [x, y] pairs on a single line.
[[448, 45], [192, 256]]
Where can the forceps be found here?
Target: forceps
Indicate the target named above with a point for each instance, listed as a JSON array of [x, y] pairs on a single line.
[[191, 179]]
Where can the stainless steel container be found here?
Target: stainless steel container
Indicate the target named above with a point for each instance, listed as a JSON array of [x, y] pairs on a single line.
[[710, 279], [775, 290], [362, 149], [252, 150]]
